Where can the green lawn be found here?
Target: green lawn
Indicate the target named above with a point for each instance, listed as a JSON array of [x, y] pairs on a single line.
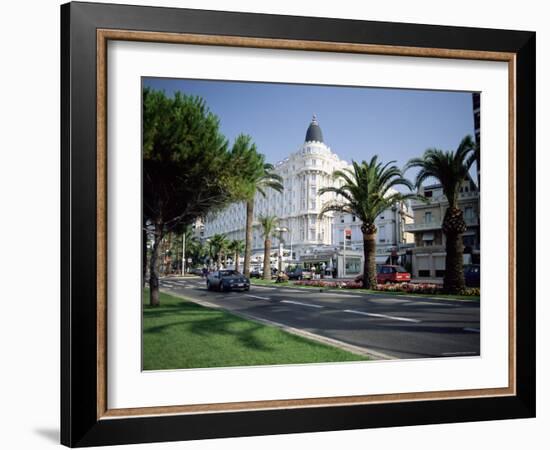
[[180, 334], [473, 298]]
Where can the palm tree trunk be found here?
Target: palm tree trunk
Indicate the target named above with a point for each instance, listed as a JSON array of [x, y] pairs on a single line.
[[267, 259], [236, 261], [453, 227], [153, 266], [369, 252], [248, 237]]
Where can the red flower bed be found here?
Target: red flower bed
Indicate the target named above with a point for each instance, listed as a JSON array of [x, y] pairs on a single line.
[[413, 288], [320, 283], [420, 288]]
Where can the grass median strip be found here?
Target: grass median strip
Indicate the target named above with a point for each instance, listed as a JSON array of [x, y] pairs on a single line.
[[180, 334]]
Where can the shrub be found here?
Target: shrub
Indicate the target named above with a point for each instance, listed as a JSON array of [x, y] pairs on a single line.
[[470, 291]]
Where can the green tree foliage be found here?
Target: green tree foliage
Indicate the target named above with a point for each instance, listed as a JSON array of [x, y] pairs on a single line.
[[257, 176], [236, 248], [365, 191], [450, 168], [219, 245], [187, 170]]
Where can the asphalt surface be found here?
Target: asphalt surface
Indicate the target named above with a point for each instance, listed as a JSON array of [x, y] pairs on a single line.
[[393, 326]]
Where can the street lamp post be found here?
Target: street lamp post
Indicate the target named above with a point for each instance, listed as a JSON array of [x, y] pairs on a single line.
[[281, 230], [183, 255]]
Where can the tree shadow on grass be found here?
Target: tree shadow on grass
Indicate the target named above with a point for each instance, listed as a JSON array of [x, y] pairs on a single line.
[[219, 324]]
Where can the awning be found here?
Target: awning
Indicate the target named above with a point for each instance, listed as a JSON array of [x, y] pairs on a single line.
[[314, 259]]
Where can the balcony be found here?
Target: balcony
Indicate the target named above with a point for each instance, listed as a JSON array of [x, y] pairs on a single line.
[[441, 199], [414, 227], [436, 225]]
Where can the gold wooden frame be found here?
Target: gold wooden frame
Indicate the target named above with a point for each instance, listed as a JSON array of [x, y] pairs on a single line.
[[103, 36]]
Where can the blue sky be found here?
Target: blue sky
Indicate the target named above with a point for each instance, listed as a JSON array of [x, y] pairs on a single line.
[[396, 124]]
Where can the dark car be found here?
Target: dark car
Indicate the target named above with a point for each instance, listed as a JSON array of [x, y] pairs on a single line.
[[471, 275], [196, 271], [227, 280], [299, 273]]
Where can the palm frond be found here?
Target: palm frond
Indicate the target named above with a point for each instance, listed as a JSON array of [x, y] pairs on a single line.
[[335, 207], [449, 168]]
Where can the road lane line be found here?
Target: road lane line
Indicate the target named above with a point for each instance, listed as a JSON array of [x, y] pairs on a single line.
[[328, 294], [403, 319], [257, 296], [413, 303], [302, 304], [473, 330]]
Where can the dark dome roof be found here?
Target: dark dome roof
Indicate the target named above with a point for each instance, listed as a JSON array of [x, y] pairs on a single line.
[[314, 132]]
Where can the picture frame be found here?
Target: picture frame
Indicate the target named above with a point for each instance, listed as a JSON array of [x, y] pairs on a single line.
[[86, 418]]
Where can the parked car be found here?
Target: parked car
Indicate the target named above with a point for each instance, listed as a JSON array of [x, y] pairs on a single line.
[[386, 273], [196, 271], [471, 275], [256, 273], [259, 273], [227, 280], [299, 273], [392, 274]]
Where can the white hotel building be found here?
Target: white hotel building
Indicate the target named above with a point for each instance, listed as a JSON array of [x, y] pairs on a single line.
[[304, 172]]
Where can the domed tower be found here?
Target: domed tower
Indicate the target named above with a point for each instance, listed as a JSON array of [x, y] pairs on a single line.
[[314, 133], [304, 172]]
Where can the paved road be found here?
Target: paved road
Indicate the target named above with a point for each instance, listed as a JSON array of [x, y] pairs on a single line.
[[390, 325]]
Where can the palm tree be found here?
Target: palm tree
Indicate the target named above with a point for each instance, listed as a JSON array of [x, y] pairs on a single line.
[[194, 249], [268, 224], [257, 176], [236, 247], [450, 169], [366, 190], [218, 248]]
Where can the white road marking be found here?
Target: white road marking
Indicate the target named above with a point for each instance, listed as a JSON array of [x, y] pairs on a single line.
[[264, 287], [329, 294], [458, 353], [404, 319], [473, 330], [256, 296], [413, 303], [302, 304], [296, 291]]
